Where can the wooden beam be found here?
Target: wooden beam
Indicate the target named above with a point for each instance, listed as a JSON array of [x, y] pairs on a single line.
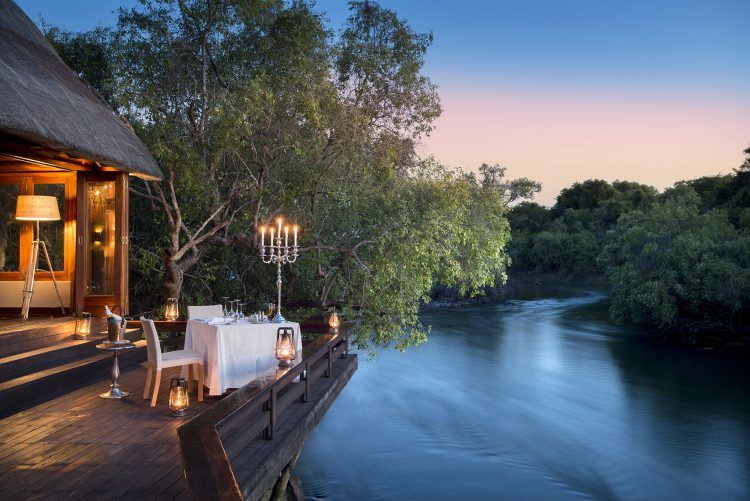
[[9, 164], [34, 156], [122, 241], [82, 224], [40, 158], [211, 461]]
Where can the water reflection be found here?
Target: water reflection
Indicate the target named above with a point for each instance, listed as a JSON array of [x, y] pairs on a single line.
[[541, 398]]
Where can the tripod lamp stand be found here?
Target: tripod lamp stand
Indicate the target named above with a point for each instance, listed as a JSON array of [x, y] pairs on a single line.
[[37, 208]]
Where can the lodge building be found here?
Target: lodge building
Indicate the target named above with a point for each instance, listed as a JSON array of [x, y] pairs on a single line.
[[58, 138]]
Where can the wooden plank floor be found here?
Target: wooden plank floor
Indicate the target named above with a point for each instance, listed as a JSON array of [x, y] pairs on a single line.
[[15, 324], [80, 446]]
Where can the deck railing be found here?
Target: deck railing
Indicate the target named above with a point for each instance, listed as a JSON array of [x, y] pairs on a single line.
[[237, 448]]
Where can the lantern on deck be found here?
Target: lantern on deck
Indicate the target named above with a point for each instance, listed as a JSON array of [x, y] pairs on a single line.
[[333, 321], [83, 326], [173, 310], [286, 348], [178, 396]]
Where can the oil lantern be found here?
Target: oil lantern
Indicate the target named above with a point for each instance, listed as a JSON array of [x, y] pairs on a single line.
[[178, 396], [333, 321], [286, 348], [173, 310], [83, 326]]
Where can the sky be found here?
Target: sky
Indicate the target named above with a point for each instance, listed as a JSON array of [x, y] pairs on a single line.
[[565, 90]]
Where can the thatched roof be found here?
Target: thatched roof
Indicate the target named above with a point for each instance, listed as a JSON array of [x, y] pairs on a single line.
[[43, 101]]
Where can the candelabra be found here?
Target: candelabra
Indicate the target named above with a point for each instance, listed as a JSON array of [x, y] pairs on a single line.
[[278, 252]]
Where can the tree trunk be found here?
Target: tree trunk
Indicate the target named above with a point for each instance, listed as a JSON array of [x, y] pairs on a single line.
[[174, 278]]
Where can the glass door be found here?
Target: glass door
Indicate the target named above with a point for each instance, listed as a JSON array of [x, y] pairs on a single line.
[[100, 238], [102, 241]]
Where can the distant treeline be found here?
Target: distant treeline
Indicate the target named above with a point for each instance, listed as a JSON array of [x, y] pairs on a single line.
[[678, 261]]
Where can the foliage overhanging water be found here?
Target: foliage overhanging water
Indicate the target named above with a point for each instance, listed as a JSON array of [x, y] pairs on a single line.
[[542, 398]]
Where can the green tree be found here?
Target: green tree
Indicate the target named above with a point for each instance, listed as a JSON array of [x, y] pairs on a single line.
[[566, 239], [254, 110], [583, 195], [378, 63], [511, 190], [712, 190], [677, 269]]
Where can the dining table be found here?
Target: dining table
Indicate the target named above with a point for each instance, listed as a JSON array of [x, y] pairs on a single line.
[[235, 352]]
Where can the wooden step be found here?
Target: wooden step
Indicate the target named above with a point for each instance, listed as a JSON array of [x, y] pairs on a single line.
[[28, 362], [17, 336], [25, 391], [70, 350], [35, 334]]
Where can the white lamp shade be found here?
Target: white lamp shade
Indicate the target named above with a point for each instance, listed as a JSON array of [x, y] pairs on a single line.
[[37, 208]]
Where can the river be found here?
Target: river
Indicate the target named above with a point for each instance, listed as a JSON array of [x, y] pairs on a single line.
[[538, 398]]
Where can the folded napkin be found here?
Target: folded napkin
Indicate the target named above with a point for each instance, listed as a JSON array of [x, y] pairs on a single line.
[[218, 321]]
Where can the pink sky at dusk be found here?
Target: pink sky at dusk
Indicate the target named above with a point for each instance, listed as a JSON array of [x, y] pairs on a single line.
[[559, 137]]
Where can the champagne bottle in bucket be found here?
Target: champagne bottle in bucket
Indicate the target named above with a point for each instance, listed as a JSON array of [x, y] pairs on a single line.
[[114, 324]]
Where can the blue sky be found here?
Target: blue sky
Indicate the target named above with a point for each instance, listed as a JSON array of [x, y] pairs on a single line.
[[661, 65], [578, 42]]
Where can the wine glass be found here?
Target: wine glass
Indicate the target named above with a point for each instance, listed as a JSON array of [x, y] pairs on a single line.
[[226, 311], [240, 313], [237, 309]]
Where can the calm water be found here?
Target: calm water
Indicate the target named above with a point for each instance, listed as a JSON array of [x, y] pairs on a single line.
[[541, 398]]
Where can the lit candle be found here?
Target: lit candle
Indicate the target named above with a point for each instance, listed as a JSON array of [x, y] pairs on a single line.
[[279, 233], [295, 234], [286, 236], [262, 236], [271, 240]]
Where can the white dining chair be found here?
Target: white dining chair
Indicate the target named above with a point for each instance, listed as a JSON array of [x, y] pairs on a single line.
[[158, 361], [214, 310]]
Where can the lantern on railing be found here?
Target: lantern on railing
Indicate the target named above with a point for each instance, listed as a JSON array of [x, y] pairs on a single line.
[[173, 310], [333, 321], [286, 347], [178, 396], [83, 326]]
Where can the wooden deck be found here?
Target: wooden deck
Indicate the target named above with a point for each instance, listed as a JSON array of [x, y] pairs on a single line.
[[79, 446], [83, 447], [238, 447], [14, 324]]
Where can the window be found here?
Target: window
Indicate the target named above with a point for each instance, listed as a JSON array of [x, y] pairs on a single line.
[[10, 229], [53, 232], [16, 236]]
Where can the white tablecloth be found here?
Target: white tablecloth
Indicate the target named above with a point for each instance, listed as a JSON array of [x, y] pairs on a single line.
[[235, 354]]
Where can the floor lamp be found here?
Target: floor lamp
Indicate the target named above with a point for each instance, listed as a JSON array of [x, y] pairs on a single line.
[[37, 208]]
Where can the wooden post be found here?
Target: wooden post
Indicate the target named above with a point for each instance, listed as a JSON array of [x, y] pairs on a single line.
[[122, 241], [306, 395], [272, 404], [279, 490], [82, 222]]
